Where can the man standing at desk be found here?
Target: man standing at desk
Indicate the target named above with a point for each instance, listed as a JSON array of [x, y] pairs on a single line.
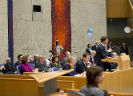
[[102, 53]]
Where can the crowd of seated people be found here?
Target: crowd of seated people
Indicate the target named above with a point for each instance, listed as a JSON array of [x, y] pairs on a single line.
[[27, 63], [89, 63], [91, 57]]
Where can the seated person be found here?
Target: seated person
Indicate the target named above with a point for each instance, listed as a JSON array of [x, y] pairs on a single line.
[[55, 62], [8, 67], [36, 60], [1, 68], [82, 64], [114, 55], [19, 60], [88, 50], [42, 65], [94, 76], [49, 60], [63, 61], [70, 65], [31, 61], [25, 66], [92, 58]]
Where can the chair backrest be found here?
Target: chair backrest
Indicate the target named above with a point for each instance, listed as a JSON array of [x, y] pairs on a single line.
[[33, 65], [55, 69], [19, 69], [50, 64], [75, 93]]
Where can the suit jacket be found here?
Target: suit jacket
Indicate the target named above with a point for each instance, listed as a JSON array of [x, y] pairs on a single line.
[[91, 60], [80, 67], [101, 53], [17, 63], [109, 46], [94, 47], [63, 61], [43, 67], [124, 50], [9, 69], [36, 62], [88, 51], [67, 67]]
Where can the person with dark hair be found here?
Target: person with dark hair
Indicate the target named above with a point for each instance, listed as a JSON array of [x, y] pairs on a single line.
[[36, 61], [82, 64], [8, 67], [94, 76], [25, 66], [88, 50], [102, 53], [124, 49], [19, 60], [59, 48], [49, 60], [55, 62], [94, 47]]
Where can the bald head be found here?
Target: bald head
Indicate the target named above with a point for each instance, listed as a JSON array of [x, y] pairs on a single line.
[[8, 60], [68, 54], [96, 42], [36, 57]]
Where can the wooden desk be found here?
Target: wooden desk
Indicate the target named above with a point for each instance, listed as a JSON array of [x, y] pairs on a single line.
[[28, 85], [43, 77], [58, 94], [122, 61], [121, 81]]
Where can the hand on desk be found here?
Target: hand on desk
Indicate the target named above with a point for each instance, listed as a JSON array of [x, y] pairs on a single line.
[[110, 50]]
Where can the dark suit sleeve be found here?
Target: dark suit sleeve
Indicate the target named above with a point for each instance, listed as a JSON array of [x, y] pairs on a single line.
[[103, 52], [91, 60], [93, 48], [79, 68], [127, 51], [88, 51]]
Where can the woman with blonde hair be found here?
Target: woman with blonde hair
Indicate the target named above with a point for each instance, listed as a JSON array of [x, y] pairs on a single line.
[[70, 65]]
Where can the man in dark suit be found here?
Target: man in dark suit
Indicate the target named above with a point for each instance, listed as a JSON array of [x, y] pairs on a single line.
[[8, 67], [124, 49], [19, 60], [95, 46], [81, 65], [102, 53], [88, 50], [36, 61]]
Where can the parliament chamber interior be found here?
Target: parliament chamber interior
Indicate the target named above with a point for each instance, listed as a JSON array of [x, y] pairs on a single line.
[[66, 47]]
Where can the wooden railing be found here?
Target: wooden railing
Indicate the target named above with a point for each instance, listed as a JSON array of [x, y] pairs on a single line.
[[119, 82], [131, 4], [130, 19]]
